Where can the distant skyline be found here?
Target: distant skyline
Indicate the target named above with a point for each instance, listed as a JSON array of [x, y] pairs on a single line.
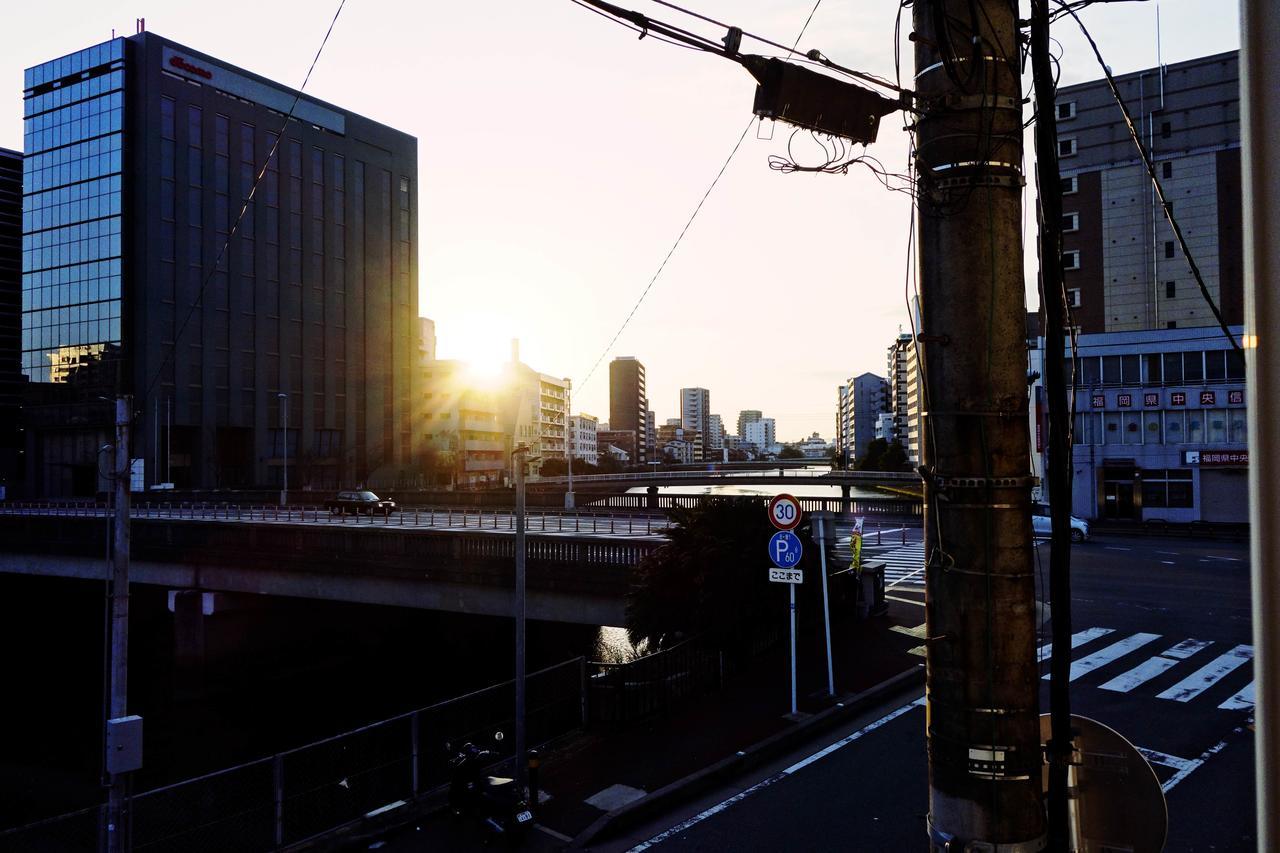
[[560, 157]]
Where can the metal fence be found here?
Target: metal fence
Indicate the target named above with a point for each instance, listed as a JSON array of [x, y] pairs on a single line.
[[303, 793]]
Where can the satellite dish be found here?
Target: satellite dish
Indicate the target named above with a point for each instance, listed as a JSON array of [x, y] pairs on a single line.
[[1114, 797]]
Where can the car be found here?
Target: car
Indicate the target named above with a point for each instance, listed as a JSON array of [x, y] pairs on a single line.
[[359, 503], [1041, 525]]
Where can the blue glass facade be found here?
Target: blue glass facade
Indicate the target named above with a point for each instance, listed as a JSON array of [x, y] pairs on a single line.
[[71, 220]]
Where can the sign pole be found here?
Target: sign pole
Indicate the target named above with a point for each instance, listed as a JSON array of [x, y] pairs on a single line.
[[826, 606], [792, 587]]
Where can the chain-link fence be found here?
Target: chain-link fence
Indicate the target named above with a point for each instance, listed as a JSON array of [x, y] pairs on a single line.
[[305, 792]]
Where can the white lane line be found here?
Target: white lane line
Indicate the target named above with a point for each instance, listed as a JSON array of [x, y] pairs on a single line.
[[777, 777], [1241, 701], [1228, 559], [1152, 667], [1077, 639], [1113, 652], [1156, 757], [1116, 548], [1170, 553], [1208, 675], [1193, 764], [905, 578], [1167, 562]]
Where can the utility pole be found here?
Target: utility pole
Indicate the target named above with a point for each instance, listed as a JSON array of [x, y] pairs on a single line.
[[521, 775], [284, 438], [569, 436], [1059, 471], [118, 703], [983, 679]]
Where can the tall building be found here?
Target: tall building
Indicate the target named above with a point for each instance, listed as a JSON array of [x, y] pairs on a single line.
[[582, 438], [745, 417], [713, 443], [140, 153], [463, 442], [1124, 269], [427, 339], [695, 412], [11, 473], [629, 403], [904, 395], [761, 433], [535, 410], [865, 398], [651, 435]]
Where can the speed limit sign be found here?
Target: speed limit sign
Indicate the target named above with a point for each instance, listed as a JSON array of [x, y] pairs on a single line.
[[784, 512]]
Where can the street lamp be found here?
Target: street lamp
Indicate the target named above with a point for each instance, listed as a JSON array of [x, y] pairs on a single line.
[[284, 441]]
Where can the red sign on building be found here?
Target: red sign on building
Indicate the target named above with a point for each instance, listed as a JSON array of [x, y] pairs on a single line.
[[1216, 457]]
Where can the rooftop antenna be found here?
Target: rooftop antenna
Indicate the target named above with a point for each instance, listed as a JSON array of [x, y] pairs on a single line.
[[1159, 60]]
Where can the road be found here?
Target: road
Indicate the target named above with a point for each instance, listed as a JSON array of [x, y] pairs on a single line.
[[1162, 654]]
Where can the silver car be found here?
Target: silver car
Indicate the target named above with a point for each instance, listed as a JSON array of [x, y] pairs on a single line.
[[1041, 525]]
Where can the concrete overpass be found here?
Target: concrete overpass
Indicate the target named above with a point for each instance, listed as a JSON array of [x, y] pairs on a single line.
[[576, 578]]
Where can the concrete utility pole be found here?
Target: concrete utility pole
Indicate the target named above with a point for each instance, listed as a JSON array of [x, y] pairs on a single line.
[[521, 776], [1259, 118], [983, 678], [118, 703]]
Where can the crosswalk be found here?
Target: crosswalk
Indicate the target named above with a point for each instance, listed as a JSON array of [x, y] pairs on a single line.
[[1189, 670], [903, 566]]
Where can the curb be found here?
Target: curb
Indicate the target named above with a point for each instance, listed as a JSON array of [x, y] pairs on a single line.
[[845, 708]]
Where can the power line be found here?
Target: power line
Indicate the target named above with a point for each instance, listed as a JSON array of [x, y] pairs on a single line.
[[244, 208], [1155, 181], [688, 223]]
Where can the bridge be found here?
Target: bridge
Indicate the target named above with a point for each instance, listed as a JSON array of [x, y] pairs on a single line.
[[578, 566]]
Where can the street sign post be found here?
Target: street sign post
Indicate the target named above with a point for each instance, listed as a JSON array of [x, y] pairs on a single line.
[[784, 512], [823, 524], [785, 550]]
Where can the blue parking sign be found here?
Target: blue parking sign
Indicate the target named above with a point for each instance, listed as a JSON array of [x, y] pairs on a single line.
[[785, 549]]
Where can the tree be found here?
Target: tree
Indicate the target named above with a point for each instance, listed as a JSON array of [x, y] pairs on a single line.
[[707, 578], [870, 461], [791, 453]]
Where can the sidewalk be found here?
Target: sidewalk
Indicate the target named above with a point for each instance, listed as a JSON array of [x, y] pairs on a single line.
[[595, 772]]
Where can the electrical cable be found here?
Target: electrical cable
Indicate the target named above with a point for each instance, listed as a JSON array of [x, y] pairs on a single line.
[[140, 404], [1151, 172], [683, 230]]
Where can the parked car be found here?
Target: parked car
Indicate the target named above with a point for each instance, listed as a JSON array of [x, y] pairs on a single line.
[[1041, 526], [359, 503]]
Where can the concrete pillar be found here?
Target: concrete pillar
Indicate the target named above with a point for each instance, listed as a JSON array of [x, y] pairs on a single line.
[[188, 641], [653, 497], [846, 499]]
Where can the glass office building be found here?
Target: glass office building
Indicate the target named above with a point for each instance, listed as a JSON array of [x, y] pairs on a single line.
[[140, 275]]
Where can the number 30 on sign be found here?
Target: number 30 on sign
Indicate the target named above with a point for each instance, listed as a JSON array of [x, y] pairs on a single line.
[[784, 512]]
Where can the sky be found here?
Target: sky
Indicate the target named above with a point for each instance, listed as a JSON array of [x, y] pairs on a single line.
[[560, 157]]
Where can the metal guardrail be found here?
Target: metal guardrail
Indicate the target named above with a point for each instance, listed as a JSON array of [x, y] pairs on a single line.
[[834, 477], [304, 793]]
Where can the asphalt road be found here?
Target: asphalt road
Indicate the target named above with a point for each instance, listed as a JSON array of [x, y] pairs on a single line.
[[1163, 656]]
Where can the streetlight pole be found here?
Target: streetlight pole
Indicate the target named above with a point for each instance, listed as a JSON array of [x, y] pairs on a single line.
[[284, 442], [520, 454], [568, 443]]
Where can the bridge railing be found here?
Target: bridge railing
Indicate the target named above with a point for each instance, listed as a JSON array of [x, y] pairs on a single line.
[[796, 474], [304, 793]]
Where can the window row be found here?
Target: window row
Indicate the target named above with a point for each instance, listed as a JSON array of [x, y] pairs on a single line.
[[88, 290], [1150, 369], [64, 96], [1171, 488], [102, 310], [97, 125], [77, 112], [67, 233], [80, 251], [70, 275], [95, 206], [1195, 426], [38, 343], [77, 192], [90, 57]]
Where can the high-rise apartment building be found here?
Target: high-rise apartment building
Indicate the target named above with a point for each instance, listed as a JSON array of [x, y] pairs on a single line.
[[582, 438], [713, 442], [651, 435], [695, 412], [462, 430], [745, 417], [10, 319], [140, 154], [860, 402], [1124, 269], [904, 395], [762, 434], [629, 403]]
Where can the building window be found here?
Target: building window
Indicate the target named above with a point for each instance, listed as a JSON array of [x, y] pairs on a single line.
[[1067, 147], [1071, 259], [1170, 289], [1172, 324], [1166, 130], [1073, 297], [1166, 169], [1168, 248], [1166, 488], [1070, 222], [1070, 184], [1066, 110]]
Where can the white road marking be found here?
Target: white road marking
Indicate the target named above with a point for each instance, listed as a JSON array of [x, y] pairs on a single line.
[[1241, 701], [1112, 652], [1152, 667], [777, 777], [1077, 639], [1170, 553], [1208, 675], [1228, 559], [1156, 757], [1116, 548], [1167, 562], [1192, 765]]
